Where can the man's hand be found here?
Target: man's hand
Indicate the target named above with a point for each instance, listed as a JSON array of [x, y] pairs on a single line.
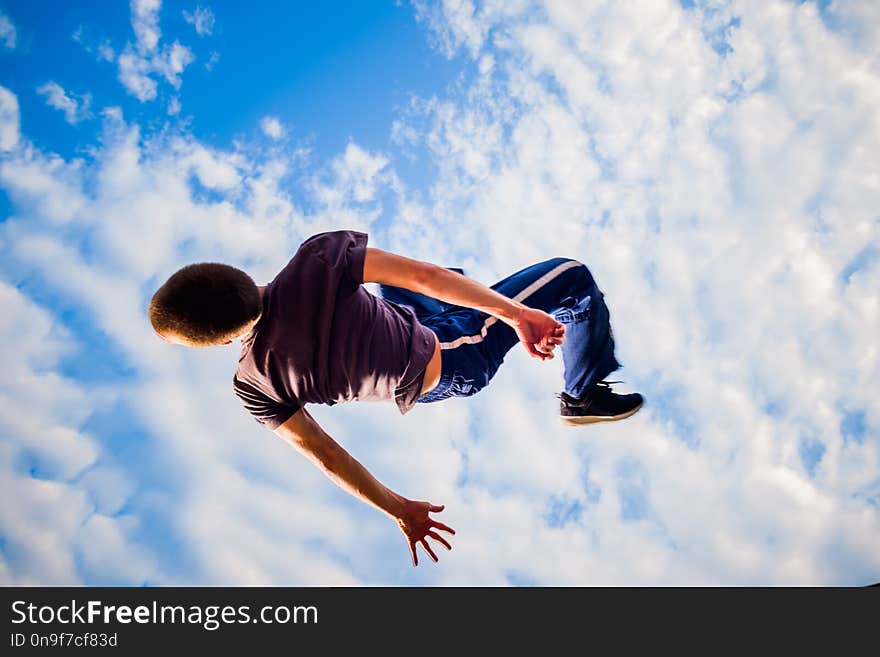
[[416, 526], [538, 332]]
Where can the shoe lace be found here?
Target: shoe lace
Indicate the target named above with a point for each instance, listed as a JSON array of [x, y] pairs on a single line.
[[605, 385]]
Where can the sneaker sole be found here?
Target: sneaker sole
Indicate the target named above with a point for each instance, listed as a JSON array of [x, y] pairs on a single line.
[[595, 419]]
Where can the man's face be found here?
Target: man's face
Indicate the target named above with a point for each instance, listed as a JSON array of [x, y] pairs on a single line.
[[173, 338]]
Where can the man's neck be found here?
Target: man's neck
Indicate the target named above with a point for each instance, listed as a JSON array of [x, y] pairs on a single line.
[[262, 289]]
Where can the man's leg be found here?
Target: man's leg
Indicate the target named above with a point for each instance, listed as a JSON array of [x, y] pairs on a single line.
[[473, 344], [564, 288]]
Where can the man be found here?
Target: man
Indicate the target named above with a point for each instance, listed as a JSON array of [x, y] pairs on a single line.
[[315, 334]]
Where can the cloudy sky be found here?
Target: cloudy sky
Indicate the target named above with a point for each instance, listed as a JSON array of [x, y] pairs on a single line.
[[714, 163]]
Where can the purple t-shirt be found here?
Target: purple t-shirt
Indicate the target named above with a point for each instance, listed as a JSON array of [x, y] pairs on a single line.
[[323, 338]]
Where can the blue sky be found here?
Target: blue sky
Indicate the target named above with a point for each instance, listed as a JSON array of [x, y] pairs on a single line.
[[348, 70], [710, 161]]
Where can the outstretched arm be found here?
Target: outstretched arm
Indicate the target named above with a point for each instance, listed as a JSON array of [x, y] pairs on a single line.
[[538, 331], [303, 432]]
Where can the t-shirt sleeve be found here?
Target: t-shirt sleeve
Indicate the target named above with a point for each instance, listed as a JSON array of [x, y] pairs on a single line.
[[267, 411], [341, 251]]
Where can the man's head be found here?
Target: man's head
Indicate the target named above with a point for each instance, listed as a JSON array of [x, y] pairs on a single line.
[[205, 304]]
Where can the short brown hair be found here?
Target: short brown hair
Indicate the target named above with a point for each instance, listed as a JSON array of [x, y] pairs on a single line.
[[206, 303]]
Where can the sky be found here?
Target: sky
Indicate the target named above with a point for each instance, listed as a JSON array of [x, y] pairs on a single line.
[[715, 164]]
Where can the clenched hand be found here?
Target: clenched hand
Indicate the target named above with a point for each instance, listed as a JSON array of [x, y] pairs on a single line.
[[538, 332]]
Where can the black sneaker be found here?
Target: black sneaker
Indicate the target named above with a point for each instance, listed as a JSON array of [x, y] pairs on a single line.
[[599, 404]]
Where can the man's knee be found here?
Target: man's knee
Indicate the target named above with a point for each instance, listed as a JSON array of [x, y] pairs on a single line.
[[581, 292], [579, 274]]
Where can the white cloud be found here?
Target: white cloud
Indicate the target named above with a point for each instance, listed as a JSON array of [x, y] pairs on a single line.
[[272, 127], [106, 52], [136, 71], [358, 171], [47, 184], [8, 34], [140, 61], [9, 120], [705, 186], [861, 20], [352, 178], [145, 22], [46, 458], [174, 106], [134, 74], [215, 170], [212, 60], [466, 24], [202, 19], [133, 181], [74, 110], [103, 50]]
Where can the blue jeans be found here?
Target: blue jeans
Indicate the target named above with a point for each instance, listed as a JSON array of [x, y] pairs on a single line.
[[473, 344]]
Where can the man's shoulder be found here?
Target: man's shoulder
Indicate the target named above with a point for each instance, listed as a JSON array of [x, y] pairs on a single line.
[[339, 233], [320, 243], [322, 249], [336, 255]]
